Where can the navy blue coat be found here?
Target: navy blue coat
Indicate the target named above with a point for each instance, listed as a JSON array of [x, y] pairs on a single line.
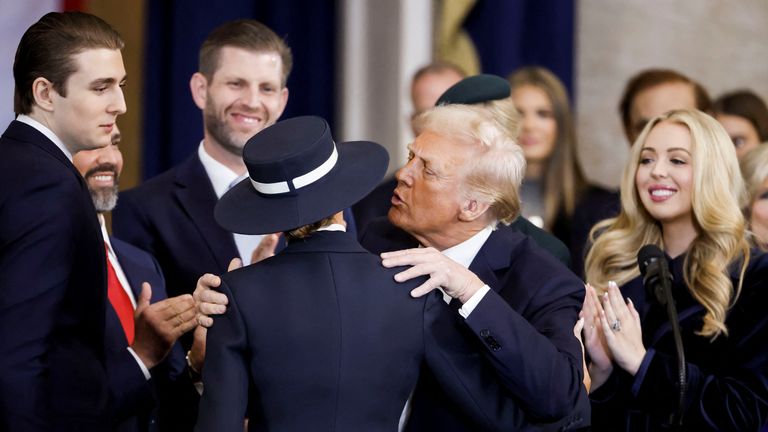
[[727, 377], [523, 329], [52, 291], [171, 217], [330, 342], [170, 387]]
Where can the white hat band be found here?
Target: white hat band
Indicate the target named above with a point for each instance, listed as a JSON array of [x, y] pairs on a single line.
[[300, 181]]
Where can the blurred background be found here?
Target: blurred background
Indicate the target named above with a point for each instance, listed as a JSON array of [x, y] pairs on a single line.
[[354, 59]]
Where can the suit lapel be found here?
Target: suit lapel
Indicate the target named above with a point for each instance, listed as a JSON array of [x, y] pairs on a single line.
[[486, 263], [196, 197]]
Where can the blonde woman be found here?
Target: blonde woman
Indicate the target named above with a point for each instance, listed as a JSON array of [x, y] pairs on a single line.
[[754, 168], [681, 191]]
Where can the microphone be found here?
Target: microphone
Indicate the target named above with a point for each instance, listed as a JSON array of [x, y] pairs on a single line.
[[658, 280], [655, 271]]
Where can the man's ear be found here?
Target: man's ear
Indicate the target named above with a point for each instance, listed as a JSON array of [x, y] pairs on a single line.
[[198, 85], [43, 93], [283, 101], [472, 209]]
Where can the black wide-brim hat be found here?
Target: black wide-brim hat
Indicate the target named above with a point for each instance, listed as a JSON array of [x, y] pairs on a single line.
[[297, 176]]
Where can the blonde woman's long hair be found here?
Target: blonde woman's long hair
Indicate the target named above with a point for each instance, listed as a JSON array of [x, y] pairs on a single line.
[[717, 192], [563, 179]]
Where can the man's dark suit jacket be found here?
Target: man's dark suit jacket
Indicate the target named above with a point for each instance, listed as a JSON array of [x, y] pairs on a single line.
[[330, 342], [171, 217], [52, 291], [170, 386], [523, 327]]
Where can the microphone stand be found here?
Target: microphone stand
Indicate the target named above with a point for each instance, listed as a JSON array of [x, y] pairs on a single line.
[[663, 293]]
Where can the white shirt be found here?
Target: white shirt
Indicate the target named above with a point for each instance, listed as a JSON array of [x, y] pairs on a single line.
[[464, 253], [126, 287], [222, 178], [45, 131]]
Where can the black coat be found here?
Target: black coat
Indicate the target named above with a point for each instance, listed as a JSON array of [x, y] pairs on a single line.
[[727, 377]]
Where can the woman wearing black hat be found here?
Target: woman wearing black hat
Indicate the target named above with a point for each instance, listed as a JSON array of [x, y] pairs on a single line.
[[323, 334]]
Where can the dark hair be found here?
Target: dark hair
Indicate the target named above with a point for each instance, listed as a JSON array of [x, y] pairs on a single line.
[[47, 49], [746, 104], [246, 34], [437, 68], [563, 178], [652, 78]]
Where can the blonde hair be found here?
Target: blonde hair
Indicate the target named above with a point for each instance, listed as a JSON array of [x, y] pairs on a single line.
[[563, 179], [721, 234], [495, 176], [754, 170]]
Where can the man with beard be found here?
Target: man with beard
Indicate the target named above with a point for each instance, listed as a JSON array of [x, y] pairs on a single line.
[[241, 89], [140, 317]]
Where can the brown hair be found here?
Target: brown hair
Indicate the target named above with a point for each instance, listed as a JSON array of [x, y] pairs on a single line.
[[47, 49], [746, 104], [652, 78], [564, 181], [306, 230], [246, 34]]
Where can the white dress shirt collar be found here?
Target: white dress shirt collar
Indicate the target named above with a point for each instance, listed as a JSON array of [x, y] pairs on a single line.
[[333, 227], [222, 178], [464, 253], [45, 131]]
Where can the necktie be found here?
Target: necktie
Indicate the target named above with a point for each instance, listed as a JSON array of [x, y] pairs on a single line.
[[119, 300]]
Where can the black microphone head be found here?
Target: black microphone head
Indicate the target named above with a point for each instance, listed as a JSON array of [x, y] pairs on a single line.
[[647, 255]]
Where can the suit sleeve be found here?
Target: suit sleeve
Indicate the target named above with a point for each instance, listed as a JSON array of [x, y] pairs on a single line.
[[463, 373], [36, 249], [225, 375], [130, 223], [526, 330]]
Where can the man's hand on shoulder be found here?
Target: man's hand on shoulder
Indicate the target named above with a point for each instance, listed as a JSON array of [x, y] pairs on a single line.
[[209, 301], [456, 280]]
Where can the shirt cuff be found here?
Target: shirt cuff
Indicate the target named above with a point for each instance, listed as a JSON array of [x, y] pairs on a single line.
[[473, 301], [144, 369]]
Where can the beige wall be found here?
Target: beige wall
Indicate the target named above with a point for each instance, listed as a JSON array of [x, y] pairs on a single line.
[[127, 17], [722, 44]]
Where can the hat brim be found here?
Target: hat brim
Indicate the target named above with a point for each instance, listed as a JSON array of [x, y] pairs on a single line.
[[360, 167]]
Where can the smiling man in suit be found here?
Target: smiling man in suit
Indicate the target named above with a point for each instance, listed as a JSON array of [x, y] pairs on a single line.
[[68, 76], [240, 87], [142, 324]]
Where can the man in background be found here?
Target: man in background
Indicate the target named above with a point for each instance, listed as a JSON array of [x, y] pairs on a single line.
[[240, 88], [142, 324]]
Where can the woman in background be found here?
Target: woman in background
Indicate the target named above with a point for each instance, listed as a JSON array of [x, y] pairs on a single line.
[[754, 169], [745, 117], [553, 180], [680, 191]]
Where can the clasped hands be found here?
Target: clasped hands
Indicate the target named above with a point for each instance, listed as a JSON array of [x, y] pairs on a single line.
[[612, 333]]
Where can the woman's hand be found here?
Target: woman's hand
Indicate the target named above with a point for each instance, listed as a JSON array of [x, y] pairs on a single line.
[[601, 360], [620, 324]]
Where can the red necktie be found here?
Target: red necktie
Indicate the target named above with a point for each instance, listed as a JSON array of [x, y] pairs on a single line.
[[121, 303]]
